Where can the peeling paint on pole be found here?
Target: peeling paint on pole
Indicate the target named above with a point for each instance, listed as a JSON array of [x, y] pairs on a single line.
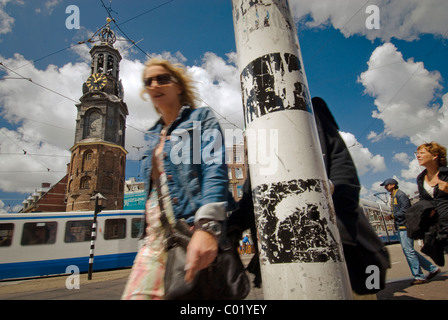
[[300, 248]]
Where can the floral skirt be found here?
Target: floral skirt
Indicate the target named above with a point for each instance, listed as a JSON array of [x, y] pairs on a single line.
[[147, 275]]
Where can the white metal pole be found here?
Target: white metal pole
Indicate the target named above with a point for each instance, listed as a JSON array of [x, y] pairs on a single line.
[[300, 249]]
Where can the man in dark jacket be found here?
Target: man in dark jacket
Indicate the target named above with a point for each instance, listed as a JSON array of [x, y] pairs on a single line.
[[400, 203]]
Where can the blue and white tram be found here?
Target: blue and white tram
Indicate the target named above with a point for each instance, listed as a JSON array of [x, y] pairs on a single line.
[[375, 213], [41, 244]]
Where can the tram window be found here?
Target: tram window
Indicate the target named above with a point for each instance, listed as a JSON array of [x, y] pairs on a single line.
[[115, 229], [39, 233], [78, 231], [137, 227], [6, 233]]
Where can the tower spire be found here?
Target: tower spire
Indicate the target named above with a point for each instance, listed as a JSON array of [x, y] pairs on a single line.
[[107, 36]]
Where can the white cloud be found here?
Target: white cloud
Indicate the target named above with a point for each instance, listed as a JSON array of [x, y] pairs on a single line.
[[404, 93], [44, 123], [400, 19], [6, 21], [7, 208], [51, 4], [3, 210], [364, 160], [402, 158], [219, 87], [412, 171], [42, 114]]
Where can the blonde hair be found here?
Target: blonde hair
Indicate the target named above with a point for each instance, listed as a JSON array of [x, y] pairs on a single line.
[[436, 150], [177, 70]]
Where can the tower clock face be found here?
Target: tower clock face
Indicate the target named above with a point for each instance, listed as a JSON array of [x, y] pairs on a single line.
[[96, 81]]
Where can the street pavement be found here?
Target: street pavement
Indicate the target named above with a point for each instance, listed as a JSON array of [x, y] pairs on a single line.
[[108, 285]]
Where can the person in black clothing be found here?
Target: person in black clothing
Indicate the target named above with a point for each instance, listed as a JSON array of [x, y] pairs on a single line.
[[433, 187], [360, 242], [433, 184]]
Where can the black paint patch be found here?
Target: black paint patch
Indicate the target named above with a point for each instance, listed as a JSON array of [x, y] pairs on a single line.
[[264, 86], [303, 236]]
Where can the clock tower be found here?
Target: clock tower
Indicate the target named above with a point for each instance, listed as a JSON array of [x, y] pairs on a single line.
[[98, 155]]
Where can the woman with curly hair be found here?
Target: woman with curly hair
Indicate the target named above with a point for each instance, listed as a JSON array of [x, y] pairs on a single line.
[[433, 185]]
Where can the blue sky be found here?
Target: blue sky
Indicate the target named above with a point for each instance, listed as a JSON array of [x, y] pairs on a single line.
[[386, 87]]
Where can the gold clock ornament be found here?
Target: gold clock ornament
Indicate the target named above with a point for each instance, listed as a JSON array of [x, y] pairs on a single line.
[[96, 81]]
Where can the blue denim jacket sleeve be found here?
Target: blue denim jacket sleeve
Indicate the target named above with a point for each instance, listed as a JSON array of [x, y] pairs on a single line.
[[215, 182]]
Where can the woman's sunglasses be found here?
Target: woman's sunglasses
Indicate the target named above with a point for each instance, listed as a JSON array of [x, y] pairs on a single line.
[[161, 79]]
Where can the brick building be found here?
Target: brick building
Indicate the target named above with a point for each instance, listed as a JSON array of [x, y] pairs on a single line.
[[47, 198], [237, 168]]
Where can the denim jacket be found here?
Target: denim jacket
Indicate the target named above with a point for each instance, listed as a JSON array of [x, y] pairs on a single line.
[[194, 163]]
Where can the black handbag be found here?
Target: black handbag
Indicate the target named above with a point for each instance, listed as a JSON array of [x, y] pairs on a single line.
[[224, 279]]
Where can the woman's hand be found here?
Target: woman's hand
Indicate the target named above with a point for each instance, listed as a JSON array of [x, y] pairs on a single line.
[[443, 186], [201, 252]]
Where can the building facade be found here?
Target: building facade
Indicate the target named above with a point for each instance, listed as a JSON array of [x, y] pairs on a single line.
[[134, 195], [237, 168], [47, 198]]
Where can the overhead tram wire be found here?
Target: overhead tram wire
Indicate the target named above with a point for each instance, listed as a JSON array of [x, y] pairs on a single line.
[[33, 154], [90, 41], [49, 55], [37, 84], [109, 10], [53, 91], [30, 155], [62, 95], [83, 42], [109, 13]]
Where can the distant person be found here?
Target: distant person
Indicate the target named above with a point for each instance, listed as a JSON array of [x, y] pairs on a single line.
[[433, 186], [246, 243], [400, 203]]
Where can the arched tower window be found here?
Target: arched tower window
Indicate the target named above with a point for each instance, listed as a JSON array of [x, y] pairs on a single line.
[[72, 162], [85, 183], [120, 132], [100, 63], [110, 66], [87, 161]]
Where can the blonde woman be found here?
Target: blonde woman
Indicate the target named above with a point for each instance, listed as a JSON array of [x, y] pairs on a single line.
[[186, 158]]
